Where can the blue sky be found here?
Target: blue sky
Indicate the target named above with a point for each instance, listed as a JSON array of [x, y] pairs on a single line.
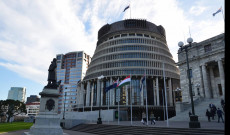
[[33, 32]]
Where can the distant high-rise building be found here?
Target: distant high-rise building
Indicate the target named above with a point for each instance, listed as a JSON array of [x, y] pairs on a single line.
[[32, 98], [71, 68], [17, 93]]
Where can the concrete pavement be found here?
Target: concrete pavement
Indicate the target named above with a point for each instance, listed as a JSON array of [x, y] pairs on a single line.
[[172, 124]]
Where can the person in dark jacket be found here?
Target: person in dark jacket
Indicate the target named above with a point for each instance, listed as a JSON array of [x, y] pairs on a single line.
[[208, 114], [219, 114]]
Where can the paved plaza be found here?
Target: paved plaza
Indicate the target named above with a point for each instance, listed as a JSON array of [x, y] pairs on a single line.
[[172, 124]]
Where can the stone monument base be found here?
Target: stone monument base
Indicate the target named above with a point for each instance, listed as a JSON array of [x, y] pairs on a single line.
[[47, 122]]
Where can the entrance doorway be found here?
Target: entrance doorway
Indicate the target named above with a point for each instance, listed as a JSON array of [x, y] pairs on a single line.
[[220, 89]]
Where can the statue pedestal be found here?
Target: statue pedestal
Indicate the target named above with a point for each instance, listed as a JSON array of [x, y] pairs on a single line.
[[47, 122]]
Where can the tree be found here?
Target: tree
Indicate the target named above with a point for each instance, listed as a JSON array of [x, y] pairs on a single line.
[[11, 108]]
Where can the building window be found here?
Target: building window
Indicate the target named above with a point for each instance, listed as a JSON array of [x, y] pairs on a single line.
[[80, 54], [207, 48]]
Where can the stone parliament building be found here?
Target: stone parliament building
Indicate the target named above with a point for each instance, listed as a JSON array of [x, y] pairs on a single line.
[[206, 61]]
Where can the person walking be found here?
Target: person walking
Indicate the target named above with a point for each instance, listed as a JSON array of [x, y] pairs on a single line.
[[213, 112], [219, 114], [208, 114], [189, 113], [222, 104]]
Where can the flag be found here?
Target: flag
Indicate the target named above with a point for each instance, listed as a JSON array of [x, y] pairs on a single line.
[[142, 81], [218, 11], [126, 81], [126, 8], [114, 85]]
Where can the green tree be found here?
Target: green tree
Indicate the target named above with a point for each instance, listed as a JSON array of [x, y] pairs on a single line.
[[11, 108]]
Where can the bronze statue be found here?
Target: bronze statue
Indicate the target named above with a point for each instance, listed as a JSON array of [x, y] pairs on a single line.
[[52, 81]]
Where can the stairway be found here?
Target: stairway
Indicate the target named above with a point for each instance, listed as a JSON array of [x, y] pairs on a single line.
[[200, 110], [138, 130]]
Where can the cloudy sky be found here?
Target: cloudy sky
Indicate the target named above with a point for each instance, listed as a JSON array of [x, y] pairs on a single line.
[[32, 32]]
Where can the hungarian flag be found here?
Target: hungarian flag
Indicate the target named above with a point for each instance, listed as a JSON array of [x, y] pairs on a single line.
[[126, 81]]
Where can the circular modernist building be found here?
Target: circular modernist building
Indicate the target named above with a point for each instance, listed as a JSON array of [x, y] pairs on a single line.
[[136, 48]]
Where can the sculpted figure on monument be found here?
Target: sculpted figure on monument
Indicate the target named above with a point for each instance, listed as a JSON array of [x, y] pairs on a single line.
[[52, 82]]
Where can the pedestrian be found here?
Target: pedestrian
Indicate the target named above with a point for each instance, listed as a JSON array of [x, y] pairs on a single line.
[[189, 113], [208, 114], [153, 121], [222, 104], [219, 114], [143, 118], [213, 111], [210, 105]]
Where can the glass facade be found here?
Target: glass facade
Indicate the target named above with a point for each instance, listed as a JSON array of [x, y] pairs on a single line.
[[71, 69]]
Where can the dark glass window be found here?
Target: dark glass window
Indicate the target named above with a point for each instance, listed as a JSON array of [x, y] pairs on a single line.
[[123, 35], [132, 34], [140, 35], [58, 57], [79, 54], [116, 36]]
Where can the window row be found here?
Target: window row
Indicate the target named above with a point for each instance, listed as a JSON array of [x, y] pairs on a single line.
[[132, 48], [125, 72], [131, 40], [130, 63], [130, 55]]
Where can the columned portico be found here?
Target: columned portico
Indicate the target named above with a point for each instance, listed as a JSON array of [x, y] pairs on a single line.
[[222, 80], [88, 94], [157, 88], [205, 82], [98, 92]]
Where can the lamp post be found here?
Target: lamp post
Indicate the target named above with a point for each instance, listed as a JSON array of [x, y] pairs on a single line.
[[99, 117], [194, 123]]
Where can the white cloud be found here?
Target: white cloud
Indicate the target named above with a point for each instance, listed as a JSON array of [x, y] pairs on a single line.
[[33, 32], [197, 10]]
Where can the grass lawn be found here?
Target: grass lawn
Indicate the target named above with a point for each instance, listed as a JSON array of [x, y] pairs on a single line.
[[7, 127]]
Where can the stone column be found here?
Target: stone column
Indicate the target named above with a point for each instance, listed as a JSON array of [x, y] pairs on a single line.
[[92, 94], [170, 92], [212, 80], [222, 80], [142, 94], [88, 94], [157, 87], [205, 82], [78, 95], [102, 91], [154, 93], [98, 92], [111, 93]]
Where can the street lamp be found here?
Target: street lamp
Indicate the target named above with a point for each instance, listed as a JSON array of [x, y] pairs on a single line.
[[194, 123], [99, 117]]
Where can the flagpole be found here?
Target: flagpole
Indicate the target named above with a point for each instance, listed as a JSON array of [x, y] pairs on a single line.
[[163, 103], [118, 97], [222, 14], [130, 9], [146, 98], [131, 101], [166, 103]]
